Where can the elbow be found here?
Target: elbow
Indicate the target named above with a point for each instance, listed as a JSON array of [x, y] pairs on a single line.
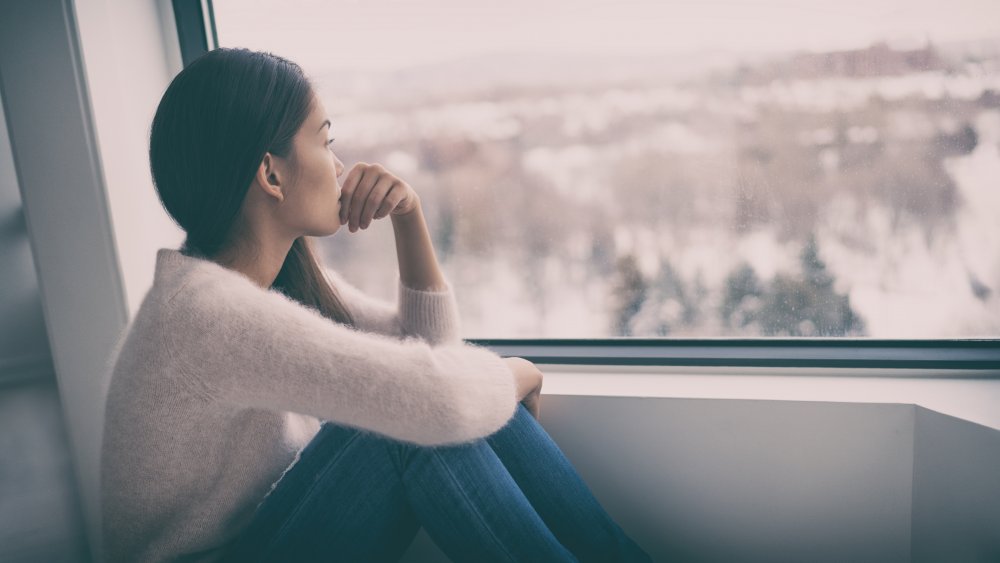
[[463, 418], [475, 395], [478, 412]]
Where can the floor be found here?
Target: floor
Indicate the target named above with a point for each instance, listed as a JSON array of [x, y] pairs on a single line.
[[40, 517]]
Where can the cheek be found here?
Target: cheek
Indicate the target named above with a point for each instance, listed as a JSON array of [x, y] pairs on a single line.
[[321, 174], [322, 168], [313, 188]]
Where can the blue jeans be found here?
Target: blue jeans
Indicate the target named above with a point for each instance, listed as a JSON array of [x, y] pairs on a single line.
[[358, 496]]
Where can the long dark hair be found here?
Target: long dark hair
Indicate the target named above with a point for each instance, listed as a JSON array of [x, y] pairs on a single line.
[[212, 127]]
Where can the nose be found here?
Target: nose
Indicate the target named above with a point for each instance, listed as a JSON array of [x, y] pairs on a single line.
[[339, 166]]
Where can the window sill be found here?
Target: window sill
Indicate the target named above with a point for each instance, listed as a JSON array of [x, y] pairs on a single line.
[[970, 395]]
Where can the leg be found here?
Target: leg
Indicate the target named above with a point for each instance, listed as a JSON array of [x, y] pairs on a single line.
[[355, 495], [558, 494], [341, 501], [471, 506]]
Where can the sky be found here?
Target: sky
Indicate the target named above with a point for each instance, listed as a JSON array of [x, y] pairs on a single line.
[[392, 34]]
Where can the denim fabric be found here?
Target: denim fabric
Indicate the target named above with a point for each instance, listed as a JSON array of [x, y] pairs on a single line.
[[358, 496]]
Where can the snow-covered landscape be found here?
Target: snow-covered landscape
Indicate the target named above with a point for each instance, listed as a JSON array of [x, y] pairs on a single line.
[[846, 193]]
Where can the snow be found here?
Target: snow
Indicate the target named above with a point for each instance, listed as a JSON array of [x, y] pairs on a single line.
[[903, 283], [831, 94], [905, 287]]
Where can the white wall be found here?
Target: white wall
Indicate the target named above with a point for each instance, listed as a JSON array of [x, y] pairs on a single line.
[[130, 52], [956, 490]]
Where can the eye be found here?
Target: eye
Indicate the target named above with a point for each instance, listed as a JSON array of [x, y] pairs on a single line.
[[330, 141]]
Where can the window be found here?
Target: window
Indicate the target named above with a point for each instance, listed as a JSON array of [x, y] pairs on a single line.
[[595, 169]]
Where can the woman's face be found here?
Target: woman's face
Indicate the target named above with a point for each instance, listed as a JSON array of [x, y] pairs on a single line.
[[312, 204]]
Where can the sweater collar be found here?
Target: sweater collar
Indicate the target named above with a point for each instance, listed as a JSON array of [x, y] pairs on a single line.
[[172, 264], [170, 260]]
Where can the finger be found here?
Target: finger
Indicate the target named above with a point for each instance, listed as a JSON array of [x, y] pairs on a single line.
[[527, 404], [534, 407], [376, 198], [365, 185], [389, 203], [531, 402], [348, 189]]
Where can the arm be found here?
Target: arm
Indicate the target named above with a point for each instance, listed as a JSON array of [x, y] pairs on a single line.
[[418, 266], [371, 314], [431, 315], [427, 305], [260, 349]]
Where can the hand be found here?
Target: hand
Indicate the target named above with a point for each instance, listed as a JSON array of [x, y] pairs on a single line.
[[533, 402], [529, 383], [372, 192]]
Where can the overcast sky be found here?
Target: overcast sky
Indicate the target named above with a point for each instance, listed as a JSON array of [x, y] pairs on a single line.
[[388, 34]]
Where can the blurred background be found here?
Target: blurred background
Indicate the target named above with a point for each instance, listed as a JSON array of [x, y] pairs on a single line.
[[702, 169]]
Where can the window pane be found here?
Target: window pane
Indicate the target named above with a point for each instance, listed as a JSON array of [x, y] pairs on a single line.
[[698, 169]]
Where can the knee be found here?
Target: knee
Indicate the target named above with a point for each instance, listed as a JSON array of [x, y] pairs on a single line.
[[400, 452], [405, 454]]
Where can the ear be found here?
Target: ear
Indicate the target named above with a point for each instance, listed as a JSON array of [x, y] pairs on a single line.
[[268, 177]]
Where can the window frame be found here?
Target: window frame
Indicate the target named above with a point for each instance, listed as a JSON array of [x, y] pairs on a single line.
[[971, 357], [979, 355], [195, 21]]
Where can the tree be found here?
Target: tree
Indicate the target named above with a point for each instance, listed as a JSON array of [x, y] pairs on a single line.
[[741, 297], [628, 294], [665, 306], [808, 305]]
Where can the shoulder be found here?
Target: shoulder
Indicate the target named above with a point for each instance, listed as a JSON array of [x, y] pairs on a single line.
[[207, 296]]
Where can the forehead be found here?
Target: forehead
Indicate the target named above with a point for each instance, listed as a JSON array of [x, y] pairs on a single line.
[[311, 125], [318, 111]]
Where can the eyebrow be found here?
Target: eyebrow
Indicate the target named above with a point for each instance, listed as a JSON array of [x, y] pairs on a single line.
[[325, 123]]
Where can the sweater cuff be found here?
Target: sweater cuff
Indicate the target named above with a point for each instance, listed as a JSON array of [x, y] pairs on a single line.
[[432, 315], [487, 394]]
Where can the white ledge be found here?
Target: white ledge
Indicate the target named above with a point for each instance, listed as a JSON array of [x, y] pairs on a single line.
[[963, 395]]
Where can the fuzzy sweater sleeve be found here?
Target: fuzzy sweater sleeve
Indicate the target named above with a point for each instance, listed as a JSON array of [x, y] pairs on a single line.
[[430, 315], [258, 348]]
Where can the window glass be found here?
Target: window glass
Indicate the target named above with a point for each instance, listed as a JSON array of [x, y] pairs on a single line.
[[699, 169]]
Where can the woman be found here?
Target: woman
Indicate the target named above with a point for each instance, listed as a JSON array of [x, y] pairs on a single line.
[[261, 408]]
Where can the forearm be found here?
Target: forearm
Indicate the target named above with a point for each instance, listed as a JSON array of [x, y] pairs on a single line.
[[418, 265]]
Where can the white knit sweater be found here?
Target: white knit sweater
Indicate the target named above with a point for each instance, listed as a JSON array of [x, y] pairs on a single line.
[[218, 383]]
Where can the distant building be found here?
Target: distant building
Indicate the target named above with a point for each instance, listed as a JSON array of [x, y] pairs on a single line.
[[877, 60]]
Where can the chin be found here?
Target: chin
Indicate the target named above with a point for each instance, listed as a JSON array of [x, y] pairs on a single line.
[[325, 231], [331, 230]]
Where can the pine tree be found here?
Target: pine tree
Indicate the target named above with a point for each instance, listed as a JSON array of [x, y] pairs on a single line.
[[808, 305], [740, 301], [628, 295]]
